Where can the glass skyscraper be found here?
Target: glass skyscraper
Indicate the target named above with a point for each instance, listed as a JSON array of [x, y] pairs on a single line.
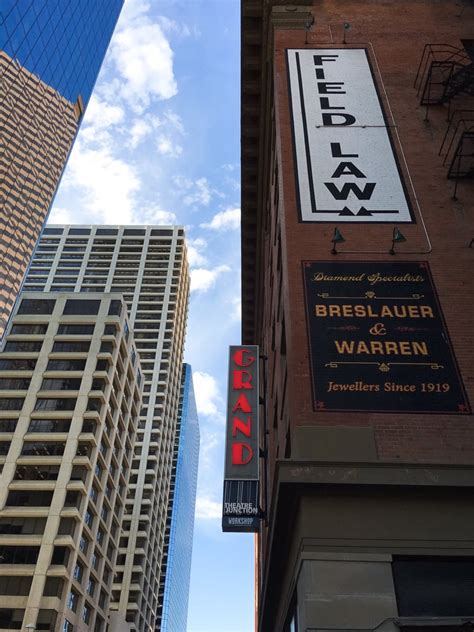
[[180, 527], [50, 55]]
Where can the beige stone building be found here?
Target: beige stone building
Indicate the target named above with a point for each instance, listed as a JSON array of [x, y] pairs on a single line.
[[148, 266], [70, 397]]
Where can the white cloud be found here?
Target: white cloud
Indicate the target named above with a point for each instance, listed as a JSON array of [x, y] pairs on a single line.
[[175, 121], [166, 147], [154, 216], [195, 254], [206, 390], [107, 183], [133, 9], [170, 126], [179, 28], [236, 313], [199, 192], [144, 59], [99, 119], [99, 113], [208, 509], [139, 130], [203, 280], [225, 220], [60, 215]]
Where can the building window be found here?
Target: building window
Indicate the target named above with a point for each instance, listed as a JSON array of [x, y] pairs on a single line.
[[110, 330], [89, 426], [55, 404], [91, 587], [80, 346], [24, 345], [36, 329], [76, 330], [36, 498], [81, 308], [79, 231], [36, 306], [49, 425], [78, 572], [102, 365], [83, 544], [53, 587], [19, 554], [115, 308], [66, 365], [18, 364], [86, 613], [134, 231], [61, 384], [67, 626], [106, 347], [96, 559], [100, 537], [89, 519], [72, 600], [52, 231], [11, 403], [36, 448], [106, 231], [8, 425], [94, 405], [14, 383]]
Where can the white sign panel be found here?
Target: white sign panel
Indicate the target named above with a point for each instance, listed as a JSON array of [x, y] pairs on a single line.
[[346, 165]]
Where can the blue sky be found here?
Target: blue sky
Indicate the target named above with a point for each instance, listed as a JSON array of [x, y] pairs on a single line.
[[160, 144]]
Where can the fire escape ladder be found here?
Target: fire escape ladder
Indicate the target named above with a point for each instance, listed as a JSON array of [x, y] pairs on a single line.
[[444, 72], [462, 162], [457, 148], [461, 81]]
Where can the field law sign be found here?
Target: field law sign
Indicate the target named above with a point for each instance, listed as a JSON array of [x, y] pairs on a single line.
[[346, 166]]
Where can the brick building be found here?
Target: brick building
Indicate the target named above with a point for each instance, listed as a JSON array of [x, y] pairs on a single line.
[[50, 55], [357, 221]]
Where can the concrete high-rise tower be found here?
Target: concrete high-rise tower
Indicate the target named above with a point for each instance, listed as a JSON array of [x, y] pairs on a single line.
[[70, 399], [148, 266], [50, 55]]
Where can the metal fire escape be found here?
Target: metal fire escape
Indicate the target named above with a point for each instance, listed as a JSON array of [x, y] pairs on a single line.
[[446, 72], [443, 73]]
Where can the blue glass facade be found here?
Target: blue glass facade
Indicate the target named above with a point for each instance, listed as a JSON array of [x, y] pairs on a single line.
[[174, 612], [50, 55], [63, 42]]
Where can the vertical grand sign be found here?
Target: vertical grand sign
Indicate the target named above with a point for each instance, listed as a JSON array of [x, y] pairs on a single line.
[[240, 510], [346, 166], [378, 340]]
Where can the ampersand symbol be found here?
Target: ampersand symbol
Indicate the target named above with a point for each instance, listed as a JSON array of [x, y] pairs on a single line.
[[378, 330]]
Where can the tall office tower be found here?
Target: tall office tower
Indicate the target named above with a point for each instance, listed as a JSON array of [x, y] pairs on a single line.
[[176, 568], [357, 227], [50, 55], [70, 398], [148, 265]]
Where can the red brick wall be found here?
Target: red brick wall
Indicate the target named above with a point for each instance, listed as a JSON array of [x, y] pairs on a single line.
[[396, 32]]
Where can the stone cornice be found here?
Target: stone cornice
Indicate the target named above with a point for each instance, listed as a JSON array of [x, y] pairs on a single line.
[[258, 20]]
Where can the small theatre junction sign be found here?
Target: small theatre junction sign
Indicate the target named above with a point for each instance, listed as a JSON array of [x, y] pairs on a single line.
[[346, 167]]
